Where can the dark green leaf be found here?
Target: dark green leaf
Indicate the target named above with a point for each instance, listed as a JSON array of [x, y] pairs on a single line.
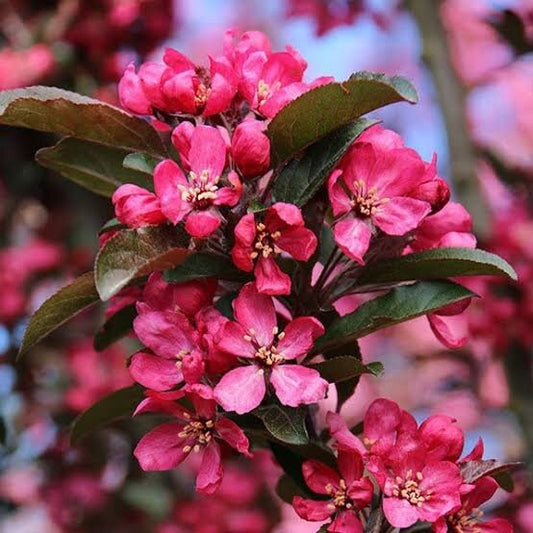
[[434, 264], [93, 166], [326, 245], [225, 304], [60, 307], [112, 225], [399, 305], [137, 252], [305, 120], [286, 424], [345, 367], [119, 404], [287, 489], [119, 325], [204, 265], [69, 114], [505, 481], [141, 163], [301, 178], [472, 471]]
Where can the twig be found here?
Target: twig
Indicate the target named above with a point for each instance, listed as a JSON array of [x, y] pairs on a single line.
[[451, 95]]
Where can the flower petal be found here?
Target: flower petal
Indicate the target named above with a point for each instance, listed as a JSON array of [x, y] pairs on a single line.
[[296, 385], [167, 177], [161, 449], [255, 311], [270, 279], [399, 512], [400, 215], [312, 510], [233, 435], [232, 341], [317, 476], [201, 224], [154, 372], [211, 471], [241, 389], [300, 334], [208, 151], [352, 235], [299, 242]]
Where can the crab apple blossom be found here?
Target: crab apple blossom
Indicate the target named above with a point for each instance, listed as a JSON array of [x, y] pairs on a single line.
[[265, 354], [346, 489], [136, 207], [196, 197], [377, 189], [168, 445], [468, 517], [250, 148], [258, 241]]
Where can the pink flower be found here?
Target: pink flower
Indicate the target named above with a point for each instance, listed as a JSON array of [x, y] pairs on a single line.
[[467, 517], [376, 189], [264, 352], [258, 243], [263, 75], [348, 492], [450, 227], [417, 488], [188, 88], [169, 444], [195, 197], [136, 207], [250, 148], [131, 93], [165, 325]]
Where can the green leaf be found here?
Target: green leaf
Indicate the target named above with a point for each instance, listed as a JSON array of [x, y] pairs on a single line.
[[72, 115], [119, 325], [137, 252], [286, 424], [58, 309], [141, 163], [301, 178], [436, 263], [93, 166], [472, 471], [118, 404], [204, 265], [287, 489], [305, 120], [344, 368], [112, 225], [225, 304], [505, 481], [399, 305]]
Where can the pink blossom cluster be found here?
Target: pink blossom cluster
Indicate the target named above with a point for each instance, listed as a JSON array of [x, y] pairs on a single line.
[[417, 470]]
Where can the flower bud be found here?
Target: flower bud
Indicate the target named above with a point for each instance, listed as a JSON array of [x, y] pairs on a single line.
[[251, 148]]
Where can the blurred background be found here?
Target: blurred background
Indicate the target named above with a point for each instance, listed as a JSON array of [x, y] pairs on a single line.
[[472, 62]]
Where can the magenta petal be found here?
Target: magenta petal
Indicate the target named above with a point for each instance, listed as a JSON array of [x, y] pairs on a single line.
[[340, 432], [270, 279], [400, 215], [346, 522], [340, 201], [164, 334], [241, 389], [161, 449], [201, 224], [312, 510], [399, 512], [255, 311], [350, 464], [317, 476], [299, 242], [232, 341], [296, 385], [300, 334], [208, 151], [211, 471], [167, 177], [442, 329], [233, 435], [154, 372], [352, 235]]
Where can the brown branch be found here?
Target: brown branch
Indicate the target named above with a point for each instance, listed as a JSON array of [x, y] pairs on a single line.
[[452, 100]]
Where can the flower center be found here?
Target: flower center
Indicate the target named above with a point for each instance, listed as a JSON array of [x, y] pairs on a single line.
[[340, 498], [200, 431], [461, 522], [265, 242], [201, 95], [366, 203], [266, 355], [408, 489], [264, 91], [201, 191], [179, 357]]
